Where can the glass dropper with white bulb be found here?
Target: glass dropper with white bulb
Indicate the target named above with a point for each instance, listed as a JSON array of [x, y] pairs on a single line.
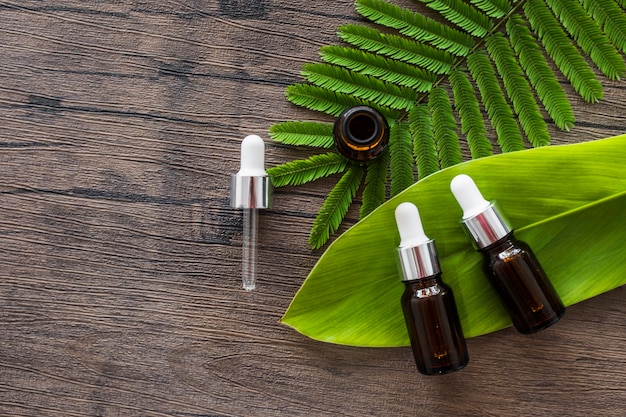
[[251, 190]]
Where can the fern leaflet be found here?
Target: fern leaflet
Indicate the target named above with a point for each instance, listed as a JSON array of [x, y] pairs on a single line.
[[335, 207], [472, 124], [397, 47], [416, 26], [424, 149], [590, 37], [401, 158], [498, 110], [375, 190], [306, 170], [462, 14], [365, 87], [390, 70], [565, 55], [321, 99], [493, 8], [315, 134], [541, 76], [610, 18], [444, 128], [518, 90]]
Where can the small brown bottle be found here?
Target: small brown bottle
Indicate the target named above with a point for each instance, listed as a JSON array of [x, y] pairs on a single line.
[[361, 134], [510, 265], [428, 304]]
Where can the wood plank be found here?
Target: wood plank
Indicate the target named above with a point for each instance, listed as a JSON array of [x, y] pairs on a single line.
[[120, 290]]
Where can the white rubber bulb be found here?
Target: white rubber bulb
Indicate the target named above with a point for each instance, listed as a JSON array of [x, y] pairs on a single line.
[[468, 195], [410, 225], [252, 156]]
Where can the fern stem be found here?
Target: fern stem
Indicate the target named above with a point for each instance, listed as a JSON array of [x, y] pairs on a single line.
[[335, 207], [472, 123], [461, 61]]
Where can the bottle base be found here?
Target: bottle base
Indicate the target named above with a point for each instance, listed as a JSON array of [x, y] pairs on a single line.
[[543, 325], [444, 369]]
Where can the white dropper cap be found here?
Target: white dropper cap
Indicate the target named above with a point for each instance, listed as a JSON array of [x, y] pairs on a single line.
[[468, 196], [417, 253], [410, 225], [251, 188], [482, 219], [252, 157]]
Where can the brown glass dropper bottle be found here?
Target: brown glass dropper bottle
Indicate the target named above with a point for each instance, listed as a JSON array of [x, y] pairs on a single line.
[[428, 304], [361, 134], [510, 264]]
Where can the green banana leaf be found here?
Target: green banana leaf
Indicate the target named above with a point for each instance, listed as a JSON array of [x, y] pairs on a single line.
[[568, 202]]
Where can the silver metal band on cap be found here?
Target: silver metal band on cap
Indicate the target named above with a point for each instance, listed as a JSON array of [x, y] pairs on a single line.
[[487, 227], [250, 192], [419, 261]]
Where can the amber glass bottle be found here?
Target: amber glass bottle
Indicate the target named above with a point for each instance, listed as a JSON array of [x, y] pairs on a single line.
[[510, 265], [521, 283], [361, 134], [433, 324], [428, 304]]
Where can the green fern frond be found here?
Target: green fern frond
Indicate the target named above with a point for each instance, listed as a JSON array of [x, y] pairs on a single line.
[[518, 90], [493, 8], [365, 87], [416, 26], [315, 134], [386, 69], [306, 170], [472, 123], [323, 100], [397, 47], [564, 54], [541, 76], [335, 207], [610, 18], [401, 150], [424, 149], [444, 128], [462, 14], [375, 190], [622, 3], [498, 110], [590, 37]]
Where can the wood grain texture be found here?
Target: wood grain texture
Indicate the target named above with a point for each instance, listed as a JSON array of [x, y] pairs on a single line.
[[120, 290]]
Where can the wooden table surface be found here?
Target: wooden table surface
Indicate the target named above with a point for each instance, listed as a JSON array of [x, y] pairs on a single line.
[[120, 292]]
